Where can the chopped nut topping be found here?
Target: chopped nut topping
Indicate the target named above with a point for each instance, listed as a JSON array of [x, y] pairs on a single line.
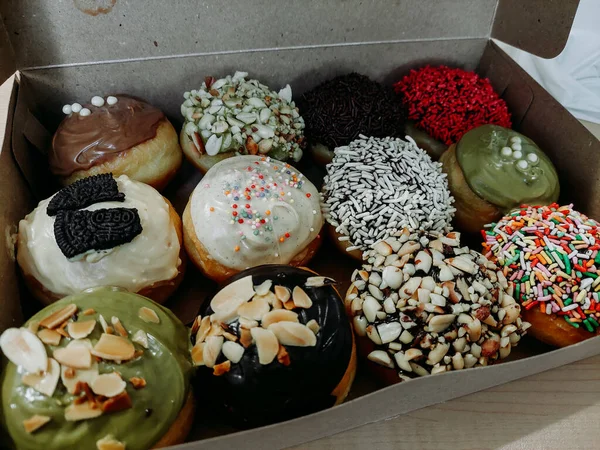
[[45, 382], [77, 357], [222, 368], [313, 325], [34, 423], [246, 337], [114, 348], [140, 337], [266, 344], [295, 334], [70, 373], [119, 328], [278, 315], [289, 305], [283, 356], [80, 330], [301, 298], [196, 324], [148, 315], [103, 323], [110, 330], [109, 443], [203, 329], [49, 337], [137, 354], [58, 317], [82, 411], [198, 354], [138, 382], [118, 403], [88, 312], [108, 385], [212, 348]]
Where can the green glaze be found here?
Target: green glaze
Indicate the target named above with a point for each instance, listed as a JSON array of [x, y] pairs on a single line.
[[165, 365], [506, 178]]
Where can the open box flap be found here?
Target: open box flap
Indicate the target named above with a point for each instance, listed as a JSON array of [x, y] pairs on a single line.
[[64, 32], [540, 27]]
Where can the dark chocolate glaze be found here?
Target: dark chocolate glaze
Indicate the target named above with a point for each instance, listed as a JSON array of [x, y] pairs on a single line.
[[254, 394], [83, 141]]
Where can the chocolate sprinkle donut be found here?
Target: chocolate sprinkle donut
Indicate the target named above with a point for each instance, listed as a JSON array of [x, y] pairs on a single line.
[[339, 110]]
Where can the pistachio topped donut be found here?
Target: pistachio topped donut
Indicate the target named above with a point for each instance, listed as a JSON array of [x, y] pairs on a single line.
[[101, 367], [233, 115], [273, 344], [248, 211], [493, 170]]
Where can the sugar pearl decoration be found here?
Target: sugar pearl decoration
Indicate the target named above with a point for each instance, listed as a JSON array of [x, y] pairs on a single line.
[[515, 140], [111, 100], [76, 107], [517, 155], [532, 157], [85, 112], [522, 164], [506, 151], [97, 101], [67, 109]]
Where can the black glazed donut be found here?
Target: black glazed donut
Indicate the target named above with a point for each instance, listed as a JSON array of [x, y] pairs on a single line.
[[308, 379]]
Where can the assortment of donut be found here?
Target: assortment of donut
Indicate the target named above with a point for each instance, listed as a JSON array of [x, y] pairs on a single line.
[[406, 173]]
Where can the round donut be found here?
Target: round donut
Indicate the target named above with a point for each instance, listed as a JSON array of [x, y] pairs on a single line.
[[274, 343], [422, 304], [151, 262], [376, 187], [114, 368], [238, 116], [123, 136], [493, 170], [248, 211], [550, 256]]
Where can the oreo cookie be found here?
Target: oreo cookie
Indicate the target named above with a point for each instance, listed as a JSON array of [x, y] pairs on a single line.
[[77, 232], [85, 192]]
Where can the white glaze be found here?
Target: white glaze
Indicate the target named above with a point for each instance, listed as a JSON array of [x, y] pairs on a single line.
[[150, 257], [298, 215]]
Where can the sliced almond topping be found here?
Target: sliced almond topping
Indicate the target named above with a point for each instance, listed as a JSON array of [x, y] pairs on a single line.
[[269, 297], [283, 356], [266, 344], [318, 281], [119, 326], [76, 357], [148, 315], [254, 309], [231, 297], [203, 330], [47, 381], [246, 337], [277, 304], [82, 411], [118, 403], [248, 323], [58, 317], [301, 298], [198, 354], [289, 305], [263, 288], [103, 323], [33, 326], [313, 325], [89, 312], [35, 423], [140, 337], [211, 351], [233, 351], [109, 443], [230, 337], [137, 382], [282, 293], [215, 330], [296, 334], [70, 373], [222, 368], [278, 315], [61, 330], [110, 330], [23, 348], [80, 330], [49, 337], [196, 324], [114, 348], [108, 385], [80, 375]]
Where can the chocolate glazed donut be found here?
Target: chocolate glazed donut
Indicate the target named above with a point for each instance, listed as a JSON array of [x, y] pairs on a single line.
[[316, 378]]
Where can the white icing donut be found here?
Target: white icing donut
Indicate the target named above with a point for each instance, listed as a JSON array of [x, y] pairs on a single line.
[[252, 210], [150, 257]]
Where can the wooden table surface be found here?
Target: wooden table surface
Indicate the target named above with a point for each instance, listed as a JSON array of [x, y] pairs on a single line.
[[557, 409]]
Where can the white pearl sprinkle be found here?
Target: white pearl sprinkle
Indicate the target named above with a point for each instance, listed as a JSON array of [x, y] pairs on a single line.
[[276, 255], [111, 100], [532, 157], [97, 101], [517, 155], [85, 112], [522, 164], [516, 147], [76, 107], [515, 140], [506, 151], [67, 109], [312, 229]]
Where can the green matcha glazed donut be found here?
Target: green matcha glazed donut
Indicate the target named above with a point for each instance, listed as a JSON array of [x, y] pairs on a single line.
[[493, 170], [101, 367]]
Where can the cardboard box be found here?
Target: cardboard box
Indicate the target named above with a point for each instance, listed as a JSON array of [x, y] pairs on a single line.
[[68, 51]]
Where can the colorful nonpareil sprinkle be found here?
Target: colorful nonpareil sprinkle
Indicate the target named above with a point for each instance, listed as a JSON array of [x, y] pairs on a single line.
[[447, 102], [550, 254]]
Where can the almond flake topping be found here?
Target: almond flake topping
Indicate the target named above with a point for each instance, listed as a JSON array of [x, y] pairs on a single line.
[[313, 326], [79, 375], [77, 357], [204, 329], [108, 385], [88, 312], [148, 315], [266, 344], [254, 309], [23, 348], [58, 317], [212, 348], [222, 368], [119, 328], [137, 382], [278, 315], [141, 338], [198, 354], [295, 334], [231, 297], [34, 423], [103, 323], [301, 298], [233, 351], [80, 330], [114, 348], [109, 443], [46, 382], [282, 293], [49, 337], [117, 403]]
